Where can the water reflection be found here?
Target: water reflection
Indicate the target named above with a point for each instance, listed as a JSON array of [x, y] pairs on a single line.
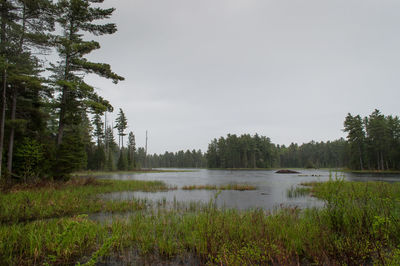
[[271, 189]]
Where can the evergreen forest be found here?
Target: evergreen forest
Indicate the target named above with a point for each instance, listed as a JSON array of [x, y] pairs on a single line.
[[53, 123], [372, 143]]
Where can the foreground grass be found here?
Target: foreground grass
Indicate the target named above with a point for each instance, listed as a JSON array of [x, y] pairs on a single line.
[[359, 225], [240, 187], [75, 197]]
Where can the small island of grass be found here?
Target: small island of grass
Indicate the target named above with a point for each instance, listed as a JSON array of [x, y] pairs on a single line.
[[240, 187]]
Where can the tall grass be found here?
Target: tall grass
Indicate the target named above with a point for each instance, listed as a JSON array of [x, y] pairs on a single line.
[[70, 199], [60, 241]]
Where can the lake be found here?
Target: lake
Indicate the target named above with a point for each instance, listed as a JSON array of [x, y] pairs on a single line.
[[271, 187]]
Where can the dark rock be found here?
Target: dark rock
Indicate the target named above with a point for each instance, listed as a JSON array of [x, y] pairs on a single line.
[[286, 171]]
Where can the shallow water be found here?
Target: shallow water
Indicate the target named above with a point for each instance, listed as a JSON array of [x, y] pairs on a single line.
[[271, 187]]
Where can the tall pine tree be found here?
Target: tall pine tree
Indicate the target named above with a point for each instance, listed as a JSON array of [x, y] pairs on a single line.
[[75, 17]]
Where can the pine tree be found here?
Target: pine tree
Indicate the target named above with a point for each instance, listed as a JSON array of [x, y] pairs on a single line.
[[76, 17], [121, 124], [356, 137]]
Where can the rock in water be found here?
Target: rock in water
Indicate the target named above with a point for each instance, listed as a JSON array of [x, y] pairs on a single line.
[[286, 171]]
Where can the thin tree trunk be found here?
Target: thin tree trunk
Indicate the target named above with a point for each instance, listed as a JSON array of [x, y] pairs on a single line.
[[12, 132], [378, 161], [63, 106], [61, 123], [361, 162], [3, 117], [3, 113], [14, 97]]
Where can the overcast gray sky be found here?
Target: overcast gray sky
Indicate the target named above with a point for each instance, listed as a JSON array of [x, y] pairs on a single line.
[[287, 69]]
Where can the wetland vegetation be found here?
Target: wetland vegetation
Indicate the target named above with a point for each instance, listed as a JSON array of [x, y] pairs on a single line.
[[358, 224]]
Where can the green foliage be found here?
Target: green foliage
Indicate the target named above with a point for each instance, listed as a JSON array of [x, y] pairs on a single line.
[[131, 158], [28, 158], [257, 151], [122, 162], [121, 124], [374, 141], [110, 161], [71, 155], [180, 159]]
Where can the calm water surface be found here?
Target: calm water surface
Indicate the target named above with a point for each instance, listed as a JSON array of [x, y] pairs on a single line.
[[271, 189]]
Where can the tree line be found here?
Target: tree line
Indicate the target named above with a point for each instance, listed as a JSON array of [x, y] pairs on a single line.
[[373, 143], [180, 159], [256, 151]]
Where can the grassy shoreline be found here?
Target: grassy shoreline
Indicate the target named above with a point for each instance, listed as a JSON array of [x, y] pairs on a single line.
[[359, 225], [370, 171]]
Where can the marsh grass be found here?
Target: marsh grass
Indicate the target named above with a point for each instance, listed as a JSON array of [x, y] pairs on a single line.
[[71, 198], [297, 192], [240, 187], [59, 241], [359, 225]]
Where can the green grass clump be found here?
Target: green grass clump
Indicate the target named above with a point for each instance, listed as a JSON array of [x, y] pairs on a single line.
[[296, 192], [240, 187], [55, 200]]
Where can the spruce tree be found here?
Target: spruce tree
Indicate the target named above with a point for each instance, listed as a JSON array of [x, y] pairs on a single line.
[[131, 151], [121, 124]]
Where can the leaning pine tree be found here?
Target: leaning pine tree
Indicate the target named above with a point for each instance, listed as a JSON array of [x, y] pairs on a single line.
[[75, 17]]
